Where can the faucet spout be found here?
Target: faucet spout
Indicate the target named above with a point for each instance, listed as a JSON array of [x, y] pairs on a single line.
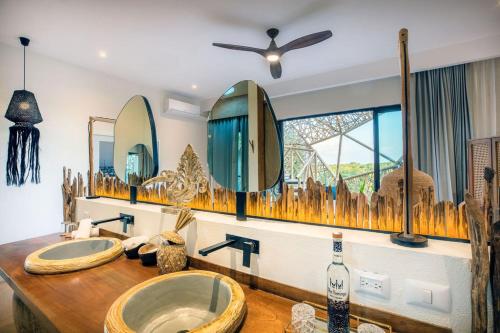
[[125, 218], [247, 245], [204, 252]]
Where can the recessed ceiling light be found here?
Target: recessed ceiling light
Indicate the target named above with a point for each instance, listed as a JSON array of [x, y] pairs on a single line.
[[103, 54], [194, 86]]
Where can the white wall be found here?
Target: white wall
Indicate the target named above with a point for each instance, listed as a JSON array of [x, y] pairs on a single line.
[[298, 255], [67, 95], [368, 94], [497, 84]]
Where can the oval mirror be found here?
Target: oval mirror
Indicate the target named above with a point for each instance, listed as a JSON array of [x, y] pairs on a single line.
[[244, 146], [135, 153]]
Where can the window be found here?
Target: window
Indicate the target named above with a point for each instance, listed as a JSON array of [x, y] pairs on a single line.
[[361, 146]]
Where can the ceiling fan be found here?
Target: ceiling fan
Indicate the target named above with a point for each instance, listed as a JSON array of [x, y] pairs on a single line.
[[273, 53]]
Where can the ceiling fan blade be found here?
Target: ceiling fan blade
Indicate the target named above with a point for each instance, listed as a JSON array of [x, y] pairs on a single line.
[[275, 69], [241, 48], [306, 41]]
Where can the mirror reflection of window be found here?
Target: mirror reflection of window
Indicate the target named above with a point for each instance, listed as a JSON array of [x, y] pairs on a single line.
[[106, 158], [228, 136], [140, 165], [244, 150], [103, 145]]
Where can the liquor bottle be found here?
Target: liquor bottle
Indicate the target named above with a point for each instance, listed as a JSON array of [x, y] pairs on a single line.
[[338, 290]]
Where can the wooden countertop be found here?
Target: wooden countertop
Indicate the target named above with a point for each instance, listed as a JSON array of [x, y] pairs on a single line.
[[79, 301]]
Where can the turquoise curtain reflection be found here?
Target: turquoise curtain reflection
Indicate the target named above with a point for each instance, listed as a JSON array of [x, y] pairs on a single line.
[[443, 128], [227, 152]]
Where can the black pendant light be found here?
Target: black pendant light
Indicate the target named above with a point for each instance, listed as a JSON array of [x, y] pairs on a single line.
[[22, 160]]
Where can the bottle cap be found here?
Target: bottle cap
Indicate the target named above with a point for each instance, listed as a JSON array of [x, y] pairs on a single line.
[[337, 234]]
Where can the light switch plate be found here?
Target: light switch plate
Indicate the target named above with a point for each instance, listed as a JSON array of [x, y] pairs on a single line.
[[429, 295], [371, 283]]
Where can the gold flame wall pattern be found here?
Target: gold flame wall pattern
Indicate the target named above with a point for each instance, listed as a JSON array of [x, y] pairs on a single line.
[[315, 204]]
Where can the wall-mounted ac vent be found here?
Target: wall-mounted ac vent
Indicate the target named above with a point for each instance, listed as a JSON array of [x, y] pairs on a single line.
[[178, 108]]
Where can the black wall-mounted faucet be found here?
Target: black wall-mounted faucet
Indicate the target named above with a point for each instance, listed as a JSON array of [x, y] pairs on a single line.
[[248, 246], [124, 218]]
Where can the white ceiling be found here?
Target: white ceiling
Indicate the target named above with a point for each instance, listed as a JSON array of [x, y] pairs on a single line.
[[167, 44]]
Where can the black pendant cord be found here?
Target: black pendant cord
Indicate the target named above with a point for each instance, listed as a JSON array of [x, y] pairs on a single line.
[[24, 67]]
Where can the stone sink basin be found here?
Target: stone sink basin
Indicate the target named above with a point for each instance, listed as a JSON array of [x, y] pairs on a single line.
[[187, 301], [73, 255]]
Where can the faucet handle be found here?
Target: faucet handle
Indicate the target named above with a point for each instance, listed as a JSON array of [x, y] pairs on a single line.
[[248, 247]]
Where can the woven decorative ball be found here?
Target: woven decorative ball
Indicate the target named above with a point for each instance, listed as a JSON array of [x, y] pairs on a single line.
[[172, 255]]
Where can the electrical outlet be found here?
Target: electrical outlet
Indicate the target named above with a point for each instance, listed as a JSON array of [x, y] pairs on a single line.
[[371, 283]]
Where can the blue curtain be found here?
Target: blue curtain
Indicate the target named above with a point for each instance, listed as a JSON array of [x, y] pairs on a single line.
[[443, 128], [243, 155], [227, 152]]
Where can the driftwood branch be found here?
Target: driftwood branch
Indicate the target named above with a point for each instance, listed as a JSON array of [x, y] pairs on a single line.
[[71, 189], [480, 264]]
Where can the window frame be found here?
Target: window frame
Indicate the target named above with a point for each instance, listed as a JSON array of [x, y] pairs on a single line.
[[377, 111]]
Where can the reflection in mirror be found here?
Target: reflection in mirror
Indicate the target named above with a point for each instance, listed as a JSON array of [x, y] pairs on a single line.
[[135, 149], [244, 148], [101, 142], [139, 165]]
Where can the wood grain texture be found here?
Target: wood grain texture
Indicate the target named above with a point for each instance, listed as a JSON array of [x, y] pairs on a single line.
[[292, 295], [78, 301], [6, 319], [480, 264], [495, 274], [404, 62], [36, 265]]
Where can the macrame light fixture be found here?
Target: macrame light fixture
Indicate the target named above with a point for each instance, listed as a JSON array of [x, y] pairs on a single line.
[[22, 159]]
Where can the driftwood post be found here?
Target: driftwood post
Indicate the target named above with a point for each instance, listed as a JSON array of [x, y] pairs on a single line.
[[407, 237], [493, 232], [72, 188], [489, 174], [495, 273], [480, 265]]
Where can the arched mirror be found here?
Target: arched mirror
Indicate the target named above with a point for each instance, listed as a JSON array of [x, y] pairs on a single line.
[[135, 153], [244, 145]]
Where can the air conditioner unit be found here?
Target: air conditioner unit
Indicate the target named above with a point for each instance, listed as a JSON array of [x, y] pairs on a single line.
[[182, 109]]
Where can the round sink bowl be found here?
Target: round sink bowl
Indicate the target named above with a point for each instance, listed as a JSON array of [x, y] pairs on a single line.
[[188, 301], [73, 255]]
